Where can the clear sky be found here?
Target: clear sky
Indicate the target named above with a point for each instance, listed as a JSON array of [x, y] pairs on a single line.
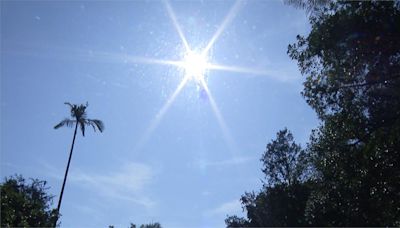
[[178, 150]]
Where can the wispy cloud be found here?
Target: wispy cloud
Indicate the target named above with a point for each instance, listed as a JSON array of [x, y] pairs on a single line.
[[204, 164], [8, 164], [227, 208], [127, 183], [206, 193]]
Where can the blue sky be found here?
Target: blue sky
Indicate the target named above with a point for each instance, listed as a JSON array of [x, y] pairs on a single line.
[[182, 163]]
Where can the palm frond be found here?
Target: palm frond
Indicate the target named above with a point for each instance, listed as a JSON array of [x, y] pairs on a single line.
[[83, 115], [69, 104], [78, 112], [73, 109], [82, 123], [96, 124], [66, 122]]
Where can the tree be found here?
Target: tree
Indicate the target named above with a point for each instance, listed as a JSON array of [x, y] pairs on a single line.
[[311, 6], [235, 221], [151, 225], [26, 204], [284, 161], [79, 119], [283, 199], [351, 60]]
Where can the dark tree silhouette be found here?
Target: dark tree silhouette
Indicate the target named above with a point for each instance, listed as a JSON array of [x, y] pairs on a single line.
[[283, 199], [26, 204], [284, 160], [351, 61], [150, 225], [79, 119]]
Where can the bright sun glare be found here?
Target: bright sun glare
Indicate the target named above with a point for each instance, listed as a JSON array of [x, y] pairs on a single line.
[[195, 65]]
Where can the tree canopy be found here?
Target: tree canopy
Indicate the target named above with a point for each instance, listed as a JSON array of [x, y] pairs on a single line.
[[26, 204], [283, 198], [149, 225], [79, 118], [284, 161], [351, 60], [351, 64]]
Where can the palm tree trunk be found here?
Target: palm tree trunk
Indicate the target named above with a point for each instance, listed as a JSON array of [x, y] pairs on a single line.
[[66, 173]]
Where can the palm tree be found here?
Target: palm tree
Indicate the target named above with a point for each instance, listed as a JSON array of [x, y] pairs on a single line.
[[79, 118]]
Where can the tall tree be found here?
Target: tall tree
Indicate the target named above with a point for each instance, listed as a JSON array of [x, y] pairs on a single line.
[[284, 161], [351, 60], [26, 204], [283, 198], [79, 119]]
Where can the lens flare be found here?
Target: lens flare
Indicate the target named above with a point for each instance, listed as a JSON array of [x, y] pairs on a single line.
[[195, 65]]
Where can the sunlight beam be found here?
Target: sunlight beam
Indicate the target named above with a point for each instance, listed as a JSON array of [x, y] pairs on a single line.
[[227, 136], [156, 121], [110, 57], [231, 14], [176, 25], [195, 66], [143, 60], [238, 69]]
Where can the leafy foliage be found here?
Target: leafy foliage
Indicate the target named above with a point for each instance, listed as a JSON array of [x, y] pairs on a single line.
[[284, 161], [311, 6], [150, 225], [26, 204], [351, 60], [283, 198]]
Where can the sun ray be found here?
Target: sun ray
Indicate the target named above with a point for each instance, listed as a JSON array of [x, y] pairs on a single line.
[[225, 131], [190, 64], [238, 69], [143, 60], [177, 27], [229, 17], [102, 56], [157, 119]]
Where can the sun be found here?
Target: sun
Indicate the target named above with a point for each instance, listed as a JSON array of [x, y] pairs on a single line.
[[195, 65]]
